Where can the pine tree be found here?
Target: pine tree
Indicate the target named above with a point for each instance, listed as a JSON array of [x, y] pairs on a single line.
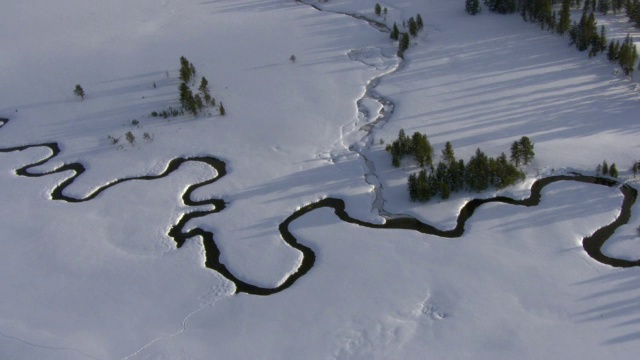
[[223, 112], [421, 149], [613, 170], [404, 43], [477, 174], [602, 44], [192, 70], [612, 52], [516, 153], [448, 155], [413, 27], [185, 95], [185, 70], [378, 9], [565, 17], [412, 185], [199, 104], [79, 91], [419, 22], [526, 147], [628, 55], [395, 33], [472, 6], [605, 168], [204, 90], [603, 6], [423, 187]]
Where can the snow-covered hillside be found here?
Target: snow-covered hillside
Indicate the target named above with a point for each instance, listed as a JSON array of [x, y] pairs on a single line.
[[102, 279]]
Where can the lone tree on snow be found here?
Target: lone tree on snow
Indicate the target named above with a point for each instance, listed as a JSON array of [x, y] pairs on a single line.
[[79, 91], [472, 6]]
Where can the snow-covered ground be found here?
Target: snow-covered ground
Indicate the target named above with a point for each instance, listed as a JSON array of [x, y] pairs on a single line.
[[102, 279]]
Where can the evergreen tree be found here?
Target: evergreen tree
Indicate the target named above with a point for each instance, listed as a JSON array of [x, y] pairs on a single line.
[[612, 52], [204, 86], [504, 173], [204, 90], [553, 23], [613, 170], [421, 149], [423, 187], [413, 27], [565, 17], [448, 155], [185, 70], [419, 22], [602, 44], [378, 9], [605, 168], [79, 91], [472, 6], [404, 43], [526, 147], [477, 173], [192, 71], [445, 191], [516, 153], [185, 95], [501, 6], [223, 112], [603, 6], [412, 185], [395, 33], [199, 104], [455, 175], [627, 55]]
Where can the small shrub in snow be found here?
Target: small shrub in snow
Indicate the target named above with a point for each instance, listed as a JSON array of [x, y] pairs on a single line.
[[79, 91], [130, 137]]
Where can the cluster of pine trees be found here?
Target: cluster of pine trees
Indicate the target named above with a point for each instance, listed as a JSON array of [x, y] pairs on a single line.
[[501, 6], [624, 54], [417, 146], [585, 34], [191, 103], [604, 169], [453, 175], [522, 151], [415, 26]]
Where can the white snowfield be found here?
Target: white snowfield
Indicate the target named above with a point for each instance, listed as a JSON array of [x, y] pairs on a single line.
[[102, 279]]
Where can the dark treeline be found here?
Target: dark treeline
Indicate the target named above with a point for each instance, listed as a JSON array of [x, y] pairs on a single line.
[[585, 34], [453, 175]]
